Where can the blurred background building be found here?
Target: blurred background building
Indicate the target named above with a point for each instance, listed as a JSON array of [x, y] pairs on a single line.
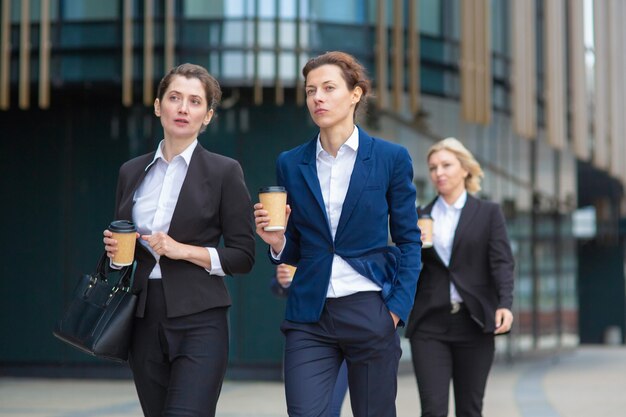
[[533, 87]]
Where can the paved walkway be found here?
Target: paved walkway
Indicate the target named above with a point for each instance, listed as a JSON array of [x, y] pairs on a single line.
[[587, 382]]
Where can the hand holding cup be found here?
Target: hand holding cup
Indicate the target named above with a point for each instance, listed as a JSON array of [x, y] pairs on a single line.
[[271, 215], [119, 242]]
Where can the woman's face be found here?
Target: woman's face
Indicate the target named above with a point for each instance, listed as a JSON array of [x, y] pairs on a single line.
[[446, 173], [183, 109], [328, 98]]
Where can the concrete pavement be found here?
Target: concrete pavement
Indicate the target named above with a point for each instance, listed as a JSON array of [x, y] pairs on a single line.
[[589, 381]]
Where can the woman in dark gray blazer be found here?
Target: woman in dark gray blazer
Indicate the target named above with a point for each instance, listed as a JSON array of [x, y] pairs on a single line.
[[183, 200], [465, 290]]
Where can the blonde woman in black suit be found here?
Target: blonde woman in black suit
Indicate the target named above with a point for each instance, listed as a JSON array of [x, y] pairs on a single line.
[[184, 200], [465, 290]]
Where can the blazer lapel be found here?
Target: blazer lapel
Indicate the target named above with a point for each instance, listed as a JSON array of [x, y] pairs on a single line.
[[358, 180], [126, 204], [467, 214], [186, 190], [309, 173]]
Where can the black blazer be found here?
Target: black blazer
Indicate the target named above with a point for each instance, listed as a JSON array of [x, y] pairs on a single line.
[[213, 204], [481, 268]]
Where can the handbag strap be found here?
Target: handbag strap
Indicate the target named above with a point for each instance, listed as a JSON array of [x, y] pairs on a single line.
[[104, 268]]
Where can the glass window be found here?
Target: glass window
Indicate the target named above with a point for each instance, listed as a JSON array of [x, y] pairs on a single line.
[[90, 9], [287, 67], [430, 17], [266, 66], [287, 35], [234, 65], [500, 25], [266, 34], [35, 10], [267, 8], [202, 9], [346, 11]]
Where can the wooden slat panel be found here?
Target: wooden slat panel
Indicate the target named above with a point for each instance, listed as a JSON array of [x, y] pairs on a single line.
[[467, 64], [483, 60], [414, 57], [44, 55], [381, 54], [170, 35], [616, 81], [578, 82], [24, 79], [600, 155], [524, 68], [398, 54], [5, 55], [127, 54], [554, 72], [148, 53]]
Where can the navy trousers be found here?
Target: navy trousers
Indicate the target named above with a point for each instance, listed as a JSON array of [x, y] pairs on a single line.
[[178, 363], [357, 328]]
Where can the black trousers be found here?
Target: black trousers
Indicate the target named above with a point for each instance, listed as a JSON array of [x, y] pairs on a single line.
[[357, 328], [463, 354], [178, 363]]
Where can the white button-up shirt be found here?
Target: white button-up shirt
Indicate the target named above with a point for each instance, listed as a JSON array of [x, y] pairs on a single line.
[[155, 200], [445, 220], [334, 175]]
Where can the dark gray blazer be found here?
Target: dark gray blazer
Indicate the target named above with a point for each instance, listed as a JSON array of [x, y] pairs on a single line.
[[481, 268], [213, 204]]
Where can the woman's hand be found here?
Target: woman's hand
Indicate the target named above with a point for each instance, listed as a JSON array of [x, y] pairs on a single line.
[[395, 318], [164, 245], [110, 244], [276, 238], [284, 275], [504, 320]]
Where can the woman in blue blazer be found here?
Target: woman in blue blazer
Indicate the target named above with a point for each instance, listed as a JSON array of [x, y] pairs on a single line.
[[184, 200], [346, 192], [465, 290]]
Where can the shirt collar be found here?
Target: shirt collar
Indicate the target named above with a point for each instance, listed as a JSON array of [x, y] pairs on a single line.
[[186, 154], [457, 205], [352, 142]]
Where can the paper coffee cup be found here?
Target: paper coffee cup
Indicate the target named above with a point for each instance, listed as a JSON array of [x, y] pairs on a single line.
[[274, 200], [292, 270], [425, 223], [124, 232]]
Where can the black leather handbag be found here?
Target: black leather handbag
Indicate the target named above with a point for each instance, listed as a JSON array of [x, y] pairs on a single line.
[[99, 318]]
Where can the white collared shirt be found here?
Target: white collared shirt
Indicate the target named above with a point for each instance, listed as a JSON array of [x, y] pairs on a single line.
[[334, 175], [156, 198], [445, 220]]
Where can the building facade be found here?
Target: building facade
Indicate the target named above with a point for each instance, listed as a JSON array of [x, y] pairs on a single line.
[[531, 87]]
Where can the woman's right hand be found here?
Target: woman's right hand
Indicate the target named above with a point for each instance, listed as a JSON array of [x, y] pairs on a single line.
[[276, 238], [110, 244]]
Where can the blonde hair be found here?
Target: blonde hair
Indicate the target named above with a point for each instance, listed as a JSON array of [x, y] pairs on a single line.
[[468, 162]]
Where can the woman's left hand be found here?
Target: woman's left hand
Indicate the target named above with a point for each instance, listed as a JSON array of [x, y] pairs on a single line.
[[504, 320], [164, 245]]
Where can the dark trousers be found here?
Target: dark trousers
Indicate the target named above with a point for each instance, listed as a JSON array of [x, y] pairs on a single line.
[[339, 392], [464, 355], [178, 363], [357, 328]]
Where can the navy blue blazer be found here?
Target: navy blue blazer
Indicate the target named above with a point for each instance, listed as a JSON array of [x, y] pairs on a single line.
[[380, 200]]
